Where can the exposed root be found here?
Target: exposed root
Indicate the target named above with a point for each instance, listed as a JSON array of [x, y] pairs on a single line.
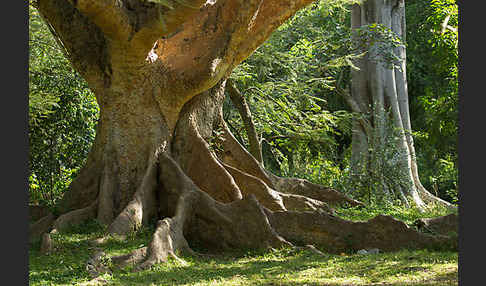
[[40, 227], [238, 157], [430, 199], [210, 177], [192, 152], [75, 217], [301, 203], [166, 242], [305, 188], [336, 235], [242, 223], [239, 223], [129, 220], [252, 185], [96, 264], [444, 225], [197, 203], [46, 244], [50, 223], [425, 196], [272, 199], [141, 207], [133, 258], [310, 248], [168, 238]]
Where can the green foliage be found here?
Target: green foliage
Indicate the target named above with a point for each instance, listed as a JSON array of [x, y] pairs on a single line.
[[432, 70], [378, 180], [62, 116], [290, 86], [382, 41]]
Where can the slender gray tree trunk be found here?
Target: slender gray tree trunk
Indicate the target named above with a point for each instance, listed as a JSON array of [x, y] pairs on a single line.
[[379, 88]]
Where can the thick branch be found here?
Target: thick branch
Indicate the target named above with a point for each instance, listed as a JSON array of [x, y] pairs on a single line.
[[178, 12], [82, 39], [218, 38], [108, 15], [268, 17], [155, 19]]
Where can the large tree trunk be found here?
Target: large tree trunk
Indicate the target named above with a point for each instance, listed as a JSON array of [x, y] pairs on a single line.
[[160, 84], [379, 87]]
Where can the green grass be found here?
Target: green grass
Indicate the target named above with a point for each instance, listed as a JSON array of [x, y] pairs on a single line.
[[407, 215], [66, 266]]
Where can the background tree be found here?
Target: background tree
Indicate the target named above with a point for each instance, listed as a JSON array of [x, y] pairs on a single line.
[[380, 85]]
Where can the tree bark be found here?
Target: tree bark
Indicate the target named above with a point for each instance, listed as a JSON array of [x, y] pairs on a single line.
[[159, 80], [385, 90], [239, 102]]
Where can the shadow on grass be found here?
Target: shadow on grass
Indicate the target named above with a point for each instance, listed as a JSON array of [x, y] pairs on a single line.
[[321, 270], [205, 270]]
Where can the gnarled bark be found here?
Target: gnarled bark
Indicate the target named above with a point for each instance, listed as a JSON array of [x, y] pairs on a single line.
[[336, 235]]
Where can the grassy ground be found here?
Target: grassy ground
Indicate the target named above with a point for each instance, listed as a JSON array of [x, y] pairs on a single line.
[[66, 266]]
